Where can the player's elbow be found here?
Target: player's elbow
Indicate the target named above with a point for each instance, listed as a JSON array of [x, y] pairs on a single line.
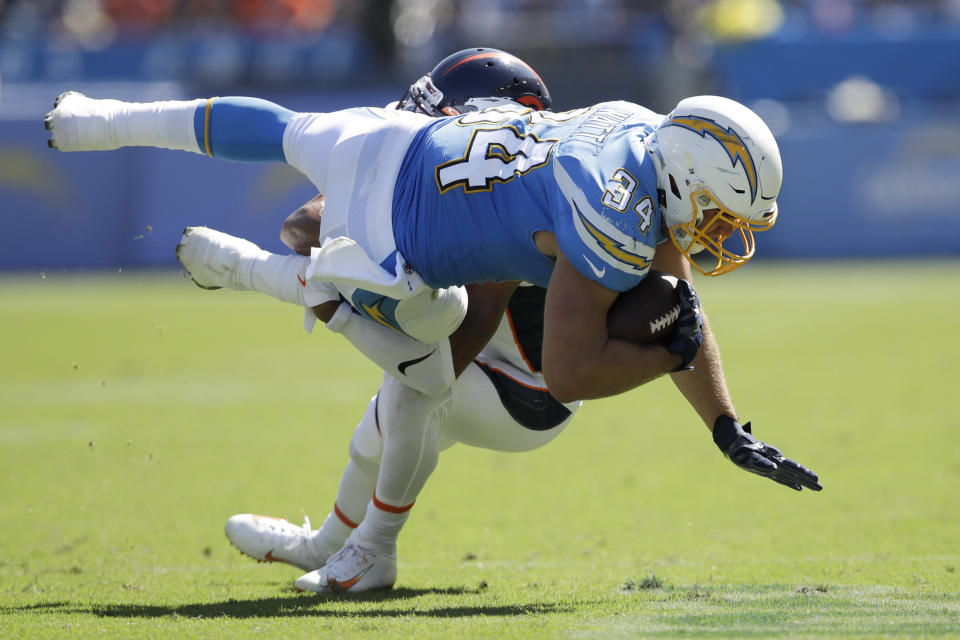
[[566, 384], [569, 370]]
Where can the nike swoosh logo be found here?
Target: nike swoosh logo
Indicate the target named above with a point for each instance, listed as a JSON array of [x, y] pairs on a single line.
[[303, 282], [597, 272], [402, 367], [346, 584]]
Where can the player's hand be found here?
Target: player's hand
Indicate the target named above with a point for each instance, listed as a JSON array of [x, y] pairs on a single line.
[[688, 331], [748, 453]]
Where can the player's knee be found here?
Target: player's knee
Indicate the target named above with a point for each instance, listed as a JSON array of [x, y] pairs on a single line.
[[402, 408]]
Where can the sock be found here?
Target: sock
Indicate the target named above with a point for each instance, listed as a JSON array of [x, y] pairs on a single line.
[[357, 482], [410, 453], [411, 441], [167, 124], [333, 533], [356, 487], [88, 124], [381, 526], [282, 277]]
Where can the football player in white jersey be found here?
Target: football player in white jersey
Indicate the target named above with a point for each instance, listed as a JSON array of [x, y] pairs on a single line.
[[583, 202]]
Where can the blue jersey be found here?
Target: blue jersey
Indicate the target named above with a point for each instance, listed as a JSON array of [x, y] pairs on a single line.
[[473, 190]]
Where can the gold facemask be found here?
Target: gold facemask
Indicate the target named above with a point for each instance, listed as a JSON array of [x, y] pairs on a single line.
[[694, 236]]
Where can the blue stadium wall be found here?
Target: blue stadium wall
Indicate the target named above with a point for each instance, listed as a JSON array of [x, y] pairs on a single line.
[[877, 191]]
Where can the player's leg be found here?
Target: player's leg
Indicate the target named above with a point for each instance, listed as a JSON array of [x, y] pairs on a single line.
[[410, 450], [357, 482], [481, 411], [79, 123], [276, 540], [215, 260], [497, 406]]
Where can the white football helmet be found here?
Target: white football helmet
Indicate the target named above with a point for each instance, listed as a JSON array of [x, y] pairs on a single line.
[[719, 167]]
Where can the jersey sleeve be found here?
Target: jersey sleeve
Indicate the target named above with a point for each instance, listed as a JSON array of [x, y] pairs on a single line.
[[240, 128], [593, 239]]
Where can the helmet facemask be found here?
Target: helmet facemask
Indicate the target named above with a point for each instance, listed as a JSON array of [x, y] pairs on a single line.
[[424, 97], [701, 233]]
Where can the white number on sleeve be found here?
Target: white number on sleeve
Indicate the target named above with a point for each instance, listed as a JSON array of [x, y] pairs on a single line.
[[619, 190], [644, 209]]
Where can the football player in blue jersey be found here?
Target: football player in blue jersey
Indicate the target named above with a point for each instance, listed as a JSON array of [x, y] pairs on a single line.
[[583, 203], [499, 399]]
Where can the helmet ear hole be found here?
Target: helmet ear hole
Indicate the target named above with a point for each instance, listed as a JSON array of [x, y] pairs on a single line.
[[674, 189]]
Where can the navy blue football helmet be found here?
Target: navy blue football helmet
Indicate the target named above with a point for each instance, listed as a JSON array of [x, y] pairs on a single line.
[[476, 78]]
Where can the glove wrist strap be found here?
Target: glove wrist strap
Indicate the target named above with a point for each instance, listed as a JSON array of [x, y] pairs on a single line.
[[725, 431]]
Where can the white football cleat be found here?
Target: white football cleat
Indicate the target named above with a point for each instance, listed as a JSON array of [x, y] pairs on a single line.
[[353, 569], [79, 123], [213, 258], [269, 539]]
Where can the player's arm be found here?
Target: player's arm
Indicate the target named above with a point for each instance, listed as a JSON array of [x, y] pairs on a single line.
[[580, 360], [705, 388], [486, 303], [234, 128]]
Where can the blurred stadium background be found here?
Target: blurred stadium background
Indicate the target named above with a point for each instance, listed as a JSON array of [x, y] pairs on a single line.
[[862, 94]]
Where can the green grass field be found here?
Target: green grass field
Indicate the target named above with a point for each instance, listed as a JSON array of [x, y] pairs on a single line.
[[138, 412]]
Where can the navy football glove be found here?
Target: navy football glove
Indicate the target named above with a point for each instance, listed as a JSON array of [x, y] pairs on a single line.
[[757, 457], [688, 331]]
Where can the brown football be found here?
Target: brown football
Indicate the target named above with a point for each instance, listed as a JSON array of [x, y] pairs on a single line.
[[646, 313]]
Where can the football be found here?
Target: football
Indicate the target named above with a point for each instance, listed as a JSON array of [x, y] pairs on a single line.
[[646, 313]]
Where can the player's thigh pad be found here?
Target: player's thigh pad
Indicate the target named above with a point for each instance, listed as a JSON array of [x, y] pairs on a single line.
[[478, 413]]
